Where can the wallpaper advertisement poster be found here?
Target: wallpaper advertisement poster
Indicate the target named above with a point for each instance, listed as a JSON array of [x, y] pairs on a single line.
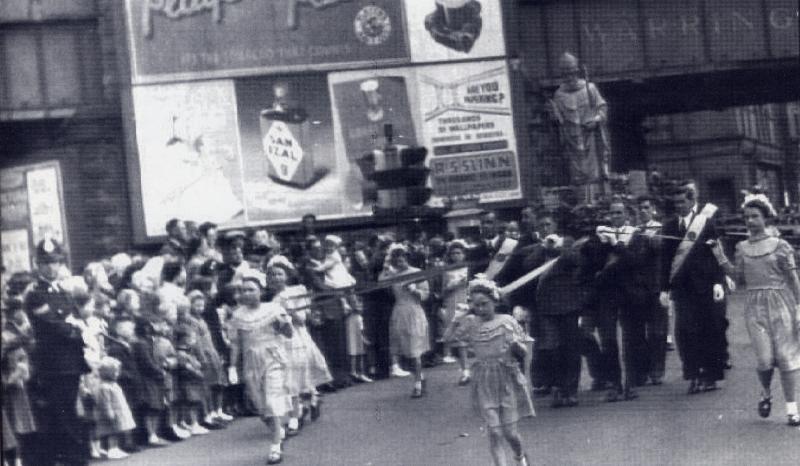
[[469, 130], [189, 157], [444, 30], [32, 207], [461, 112], [202, 39]]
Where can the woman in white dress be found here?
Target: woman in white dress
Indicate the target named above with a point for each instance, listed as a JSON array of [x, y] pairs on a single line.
[[408, 326], [257, 334]]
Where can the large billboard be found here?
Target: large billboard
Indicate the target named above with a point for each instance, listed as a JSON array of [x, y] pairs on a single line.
[[172, 40], [251, 112]]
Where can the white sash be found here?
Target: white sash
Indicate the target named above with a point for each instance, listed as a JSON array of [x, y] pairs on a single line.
[[499, 259], [689, 240], [528, 277]]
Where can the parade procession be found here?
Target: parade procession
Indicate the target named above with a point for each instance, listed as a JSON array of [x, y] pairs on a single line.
[[401, 232]]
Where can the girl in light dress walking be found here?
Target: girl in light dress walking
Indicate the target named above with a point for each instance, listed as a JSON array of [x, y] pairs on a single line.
[[307, 367], [257, 334], [500, 394], [765, 266], [408, 327]]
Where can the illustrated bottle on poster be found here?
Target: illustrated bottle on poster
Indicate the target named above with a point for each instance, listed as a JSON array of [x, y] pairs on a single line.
[[286, 140]]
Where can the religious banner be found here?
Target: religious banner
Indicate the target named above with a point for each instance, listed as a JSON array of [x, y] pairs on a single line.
[[469, 130], [176, 40]]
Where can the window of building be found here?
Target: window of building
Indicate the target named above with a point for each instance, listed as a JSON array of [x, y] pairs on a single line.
[[49, 57]]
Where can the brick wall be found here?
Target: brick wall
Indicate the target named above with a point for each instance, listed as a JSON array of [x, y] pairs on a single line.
[[89, 147]]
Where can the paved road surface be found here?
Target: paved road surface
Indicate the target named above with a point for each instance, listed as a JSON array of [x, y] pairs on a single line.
[[379, 424]]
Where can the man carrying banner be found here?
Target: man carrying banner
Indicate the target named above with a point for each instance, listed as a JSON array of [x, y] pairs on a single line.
[[692, 278]]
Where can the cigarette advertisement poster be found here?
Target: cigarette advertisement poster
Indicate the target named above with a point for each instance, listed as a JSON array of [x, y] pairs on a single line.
[[444, 30], [469, 130], [32, 207], [171, 40]]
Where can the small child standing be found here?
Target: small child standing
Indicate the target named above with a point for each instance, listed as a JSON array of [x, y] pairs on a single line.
[[113, 416], [454, 291], [153, 395], [213, 371], [190, 389]]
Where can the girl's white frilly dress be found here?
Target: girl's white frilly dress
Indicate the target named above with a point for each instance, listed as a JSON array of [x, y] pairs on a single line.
[[307, 366], [265, 359], [500, 392]]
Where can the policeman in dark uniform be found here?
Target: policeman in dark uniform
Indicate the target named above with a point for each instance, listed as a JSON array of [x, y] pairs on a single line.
[[58, 364]]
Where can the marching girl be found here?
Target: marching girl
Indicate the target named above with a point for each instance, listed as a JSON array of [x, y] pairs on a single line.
[[765, 266], [455, 298], [257, 332], [408, 326], [307, 366], [499, 389]]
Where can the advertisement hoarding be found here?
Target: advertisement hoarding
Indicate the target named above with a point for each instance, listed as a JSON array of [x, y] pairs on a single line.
[[171, 40], [32, 206]]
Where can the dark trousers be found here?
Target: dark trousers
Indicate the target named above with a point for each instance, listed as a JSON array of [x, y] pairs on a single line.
[[700, 326], [590, 349], [331, 337], [606, 322], [635, 358], [656, 328], [562, 358], [63, 436], [541, 373]]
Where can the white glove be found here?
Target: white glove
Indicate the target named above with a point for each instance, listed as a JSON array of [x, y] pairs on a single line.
[[719, 293], [731, 284], [664, 298], [233, 375]]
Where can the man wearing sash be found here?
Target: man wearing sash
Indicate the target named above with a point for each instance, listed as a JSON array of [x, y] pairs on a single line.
[[692, 279]]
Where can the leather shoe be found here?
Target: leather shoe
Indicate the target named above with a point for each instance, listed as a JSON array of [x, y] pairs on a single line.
[[558, 400], [709, 386], [569, 402], [765, 406]]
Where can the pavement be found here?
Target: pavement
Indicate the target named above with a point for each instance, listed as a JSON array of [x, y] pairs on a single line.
[[379, 424]]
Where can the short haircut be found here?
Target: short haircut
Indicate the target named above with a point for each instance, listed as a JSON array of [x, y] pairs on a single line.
[[205, 227], [170, 271], [646, 198], [172, 223], [684, 191]]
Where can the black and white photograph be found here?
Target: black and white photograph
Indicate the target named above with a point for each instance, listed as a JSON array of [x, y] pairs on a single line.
[[400, 232]]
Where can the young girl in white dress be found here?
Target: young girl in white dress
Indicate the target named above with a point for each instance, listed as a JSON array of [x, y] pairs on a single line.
[[307, 366], [500, 392], [455, 299], [257, 333], [408, 326]]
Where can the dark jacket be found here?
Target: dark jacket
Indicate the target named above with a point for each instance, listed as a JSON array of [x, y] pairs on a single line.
[[130, 379], [700, 270], [631, 276], [567, 287], [59, 345]]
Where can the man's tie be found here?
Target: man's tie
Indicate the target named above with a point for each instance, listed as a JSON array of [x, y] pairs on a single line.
[[682, 227]]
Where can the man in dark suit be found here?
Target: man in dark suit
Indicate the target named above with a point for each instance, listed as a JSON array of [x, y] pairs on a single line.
[[58, 363], [691, 277]]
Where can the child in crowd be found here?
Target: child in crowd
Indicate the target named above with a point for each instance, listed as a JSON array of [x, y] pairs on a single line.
[[153, 382], [113, 416], [120, 346], [213, 371], [338, 276], [190, 389], [455, 301], [19, 426], [92, 329], [166, 355]]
